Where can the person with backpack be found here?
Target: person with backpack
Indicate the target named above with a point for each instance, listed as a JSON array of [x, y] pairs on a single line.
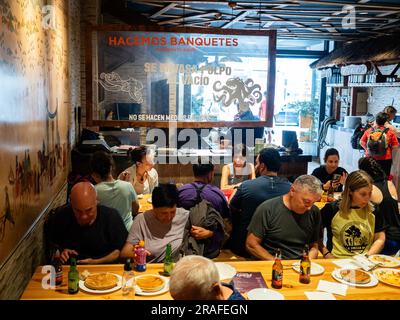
[[208, 207], [378, 142]]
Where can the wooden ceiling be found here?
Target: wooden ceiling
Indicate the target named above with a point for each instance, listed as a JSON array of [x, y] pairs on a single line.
[[295, 19]]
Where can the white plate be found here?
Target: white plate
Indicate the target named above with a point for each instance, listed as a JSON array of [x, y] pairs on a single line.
[[380, 274], [164, 289], [140, 196], [316, 268], [117, 287], [336, 275], [264, 294], [225, 271], [391, 263]]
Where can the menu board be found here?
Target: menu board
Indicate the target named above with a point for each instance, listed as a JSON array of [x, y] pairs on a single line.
[[178, 76]]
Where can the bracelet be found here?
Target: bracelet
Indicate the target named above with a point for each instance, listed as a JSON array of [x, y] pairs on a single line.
[[326, 253]]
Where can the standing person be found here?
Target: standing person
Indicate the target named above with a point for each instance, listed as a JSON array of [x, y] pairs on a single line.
[[233, 174], [252, 193], [197, 278], [163, 224], [93, 232], [262, 114], [391, 112], [141, 174], [353, 225], [388, 205], [388, 138], [287, 223], [112, 193], [330, 170]]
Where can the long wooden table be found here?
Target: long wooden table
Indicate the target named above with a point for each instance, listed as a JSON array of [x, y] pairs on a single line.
[[292, 289]]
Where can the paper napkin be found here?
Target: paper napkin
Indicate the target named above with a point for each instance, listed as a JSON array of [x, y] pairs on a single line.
[[332, 287], [317, 295]]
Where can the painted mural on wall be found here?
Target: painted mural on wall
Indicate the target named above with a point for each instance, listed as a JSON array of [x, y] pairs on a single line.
[[34, 112]]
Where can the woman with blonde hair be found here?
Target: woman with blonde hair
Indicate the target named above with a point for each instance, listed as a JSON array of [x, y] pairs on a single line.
[[353, 225]]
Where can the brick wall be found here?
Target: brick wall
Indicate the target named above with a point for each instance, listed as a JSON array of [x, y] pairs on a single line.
[[19, 268], [90, 13]]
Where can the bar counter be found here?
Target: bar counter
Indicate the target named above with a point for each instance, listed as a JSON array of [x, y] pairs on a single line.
[[177, 166]]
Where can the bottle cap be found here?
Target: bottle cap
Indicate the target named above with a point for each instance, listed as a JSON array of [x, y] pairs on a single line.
[[128, 265]]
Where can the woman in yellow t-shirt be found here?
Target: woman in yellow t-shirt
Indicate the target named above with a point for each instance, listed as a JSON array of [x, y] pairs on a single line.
[[353, 225]]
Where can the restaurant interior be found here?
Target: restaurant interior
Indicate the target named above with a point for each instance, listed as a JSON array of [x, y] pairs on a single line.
[[190, 81]]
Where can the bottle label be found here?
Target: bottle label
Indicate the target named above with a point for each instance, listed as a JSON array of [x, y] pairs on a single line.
[[168, 266], [277, 276], [73, 285], [59, 277]]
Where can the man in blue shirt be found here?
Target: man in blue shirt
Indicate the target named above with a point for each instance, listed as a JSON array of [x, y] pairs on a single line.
[[252, 193]]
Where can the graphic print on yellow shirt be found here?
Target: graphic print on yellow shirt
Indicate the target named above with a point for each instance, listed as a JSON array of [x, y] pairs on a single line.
[[353, 233]]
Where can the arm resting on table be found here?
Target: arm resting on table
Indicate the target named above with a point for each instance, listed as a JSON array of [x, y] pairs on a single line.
[[379, 243], [253, 246]]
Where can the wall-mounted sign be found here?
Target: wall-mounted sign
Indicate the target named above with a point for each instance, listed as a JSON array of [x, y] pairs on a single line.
[[178, 76], [353, 69]]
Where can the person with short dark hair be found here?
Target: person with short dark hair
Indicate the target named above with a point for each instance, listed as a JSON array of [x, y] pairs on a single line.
[[203, 177], [391, 112], [387, 203], [330, 173], [201, 189], [92, 232], [157, 227], [233, 174], [112, 193], [385, 161], [252, 193], [141, 174], [288, 222]]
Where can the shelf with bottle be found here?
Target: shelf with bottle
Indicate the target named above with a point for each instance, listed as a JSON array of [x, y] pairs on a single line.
[[366, 80]]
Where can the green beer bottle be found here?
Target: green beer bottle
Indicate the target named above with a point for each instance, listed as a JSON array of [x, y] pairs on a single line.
[[168, 264], [73, 277]]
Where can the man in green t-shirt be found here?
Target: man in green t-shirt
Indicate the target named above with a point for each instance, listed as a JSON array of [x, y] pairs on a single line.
[[288, 222]]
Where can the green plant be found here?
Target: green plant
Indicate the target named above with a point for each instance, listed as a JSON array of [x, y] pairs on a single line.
[[304, 108]]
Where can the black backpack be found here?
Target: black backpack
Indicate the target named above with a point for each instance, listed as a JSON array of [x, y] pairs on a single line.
[[356, 137]]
